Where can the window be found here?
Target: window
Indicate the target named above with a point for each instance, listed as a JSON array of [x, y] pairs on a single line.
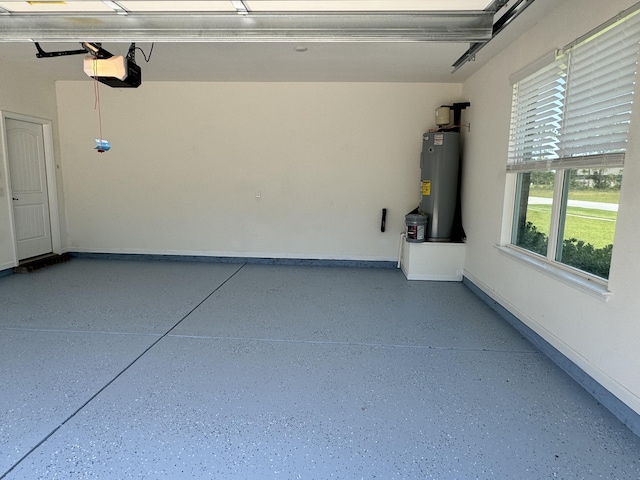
[[570, 121]]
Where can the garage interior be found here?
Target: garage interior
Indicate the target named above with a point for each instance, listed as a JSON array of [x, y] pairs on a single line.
[[230, 306]]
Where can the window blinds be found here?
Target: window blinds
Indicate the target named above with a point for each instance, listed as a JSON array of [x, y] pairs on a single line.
[[601, 81], [576, 111], [536, 117]]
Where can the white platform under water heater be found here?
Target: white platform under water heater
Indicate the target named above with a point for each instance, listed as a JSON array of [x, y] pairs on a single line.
[[438, 261]]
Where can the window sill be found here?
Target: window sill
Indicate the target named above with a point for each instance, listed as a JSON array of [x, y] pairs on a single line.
[[582, 282]]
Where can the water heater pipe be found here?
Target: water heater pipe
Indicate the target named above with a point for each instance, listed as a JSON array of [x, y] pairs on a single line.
[[402, 237]]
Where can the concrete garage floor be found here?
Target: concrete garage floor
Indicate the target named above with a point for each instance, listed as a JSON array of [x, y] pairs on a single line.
[[116, 369]]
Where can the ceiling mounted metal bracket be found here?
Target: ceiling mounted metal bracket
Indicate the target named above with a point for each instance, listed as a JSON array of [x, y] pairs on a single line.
[[466, 26], [516, 9]]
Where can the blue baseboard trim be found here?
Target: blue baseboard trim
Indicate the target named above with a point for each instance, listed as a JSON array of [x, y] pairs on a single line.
[[612, 403], [6, 273], [250, 260]]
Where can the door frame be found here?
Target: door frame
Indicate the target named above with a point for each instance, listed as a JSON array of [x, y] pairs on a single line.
[[50, 167]]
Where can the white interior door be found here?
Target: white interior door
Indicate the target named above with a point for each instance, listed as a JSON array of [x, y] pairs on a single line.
[[27, 172]]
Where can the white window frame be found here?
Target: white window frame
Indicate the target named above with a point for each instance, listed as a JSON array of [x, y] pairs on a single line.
[[522, 157]]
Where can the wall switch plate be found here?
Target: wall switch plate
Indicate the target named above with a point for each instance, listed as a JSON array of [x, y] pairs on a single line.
[[258, 193]]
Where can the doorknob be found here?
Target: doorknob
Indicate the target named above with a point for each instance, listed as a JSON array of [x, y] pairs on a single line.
[[16, 198]]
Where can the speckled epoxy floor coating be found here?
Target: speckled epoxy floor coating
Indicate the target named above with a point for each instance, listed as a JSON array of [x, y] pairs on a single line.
[[169, 370]]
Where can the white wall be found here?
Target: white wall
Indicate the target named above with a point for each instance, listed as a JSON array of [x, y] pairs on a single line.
[[602, 338], [25, 94], [187, 159]]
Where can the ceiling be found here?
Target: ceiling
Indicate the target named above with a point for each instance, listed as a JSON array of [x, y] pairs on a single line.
[[343, 40]]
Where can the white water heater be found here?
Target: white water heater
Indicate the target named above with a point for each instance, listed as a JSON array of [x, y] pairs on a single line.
[[439, 164]]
